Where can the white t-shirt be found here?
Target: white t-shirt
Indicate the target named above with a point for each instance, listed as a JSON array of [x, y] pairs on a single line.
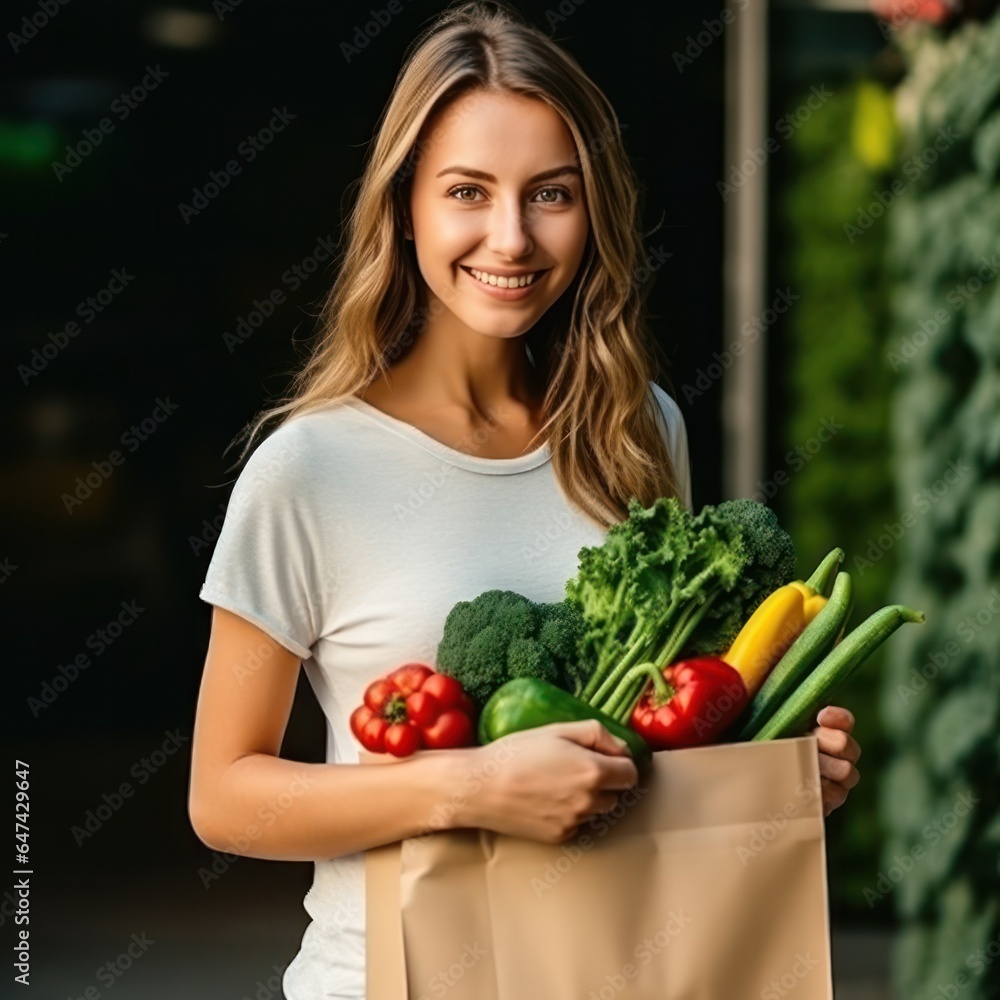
[[348, 538]]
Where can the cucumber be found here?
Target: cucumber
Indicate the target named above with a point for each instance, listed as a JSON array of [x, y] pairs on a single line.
[[825, 571], [794, 716], [816, 640]]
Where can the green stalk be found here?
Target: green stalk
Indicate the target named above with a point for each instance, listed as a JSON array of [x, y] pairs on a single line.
[[600, 671], [609, 691], [635, 692], [678, 638], [645, 671]]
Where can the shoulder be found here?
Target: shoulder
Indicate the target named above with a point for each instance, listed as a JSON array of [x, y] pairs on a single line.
[[291, 454]]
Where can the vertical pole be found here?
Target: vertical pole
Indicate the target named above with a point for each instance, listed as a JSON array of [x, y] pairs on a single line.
[[745, 248]]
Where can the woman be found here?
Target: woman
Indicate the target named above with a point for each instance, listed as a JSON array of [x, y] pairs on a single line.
[[480, 406]]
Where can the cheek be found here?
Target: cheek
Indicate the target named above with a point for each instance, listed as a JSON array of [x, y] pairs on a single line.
[[566, 235]]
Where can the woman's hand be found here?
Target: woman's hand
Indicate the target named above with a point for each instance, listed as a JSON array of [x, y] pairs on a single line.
[[838, 753], [553, 779]]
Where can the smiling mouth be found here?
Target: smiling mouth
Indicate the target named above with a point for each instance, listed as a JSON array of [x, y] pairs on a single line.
[[499, 281]]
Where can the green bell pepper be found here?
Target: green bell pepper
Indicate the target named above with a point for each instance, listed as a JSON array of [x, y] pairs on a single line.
[[528, 702]]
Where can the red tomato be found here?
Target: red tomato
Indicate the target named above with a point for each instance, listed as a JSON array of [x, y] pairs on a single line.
[[369, 728], [411, 708], [378, 693], [446, 690], [452, 728], [410, 677], [422, 707], [402, 739]]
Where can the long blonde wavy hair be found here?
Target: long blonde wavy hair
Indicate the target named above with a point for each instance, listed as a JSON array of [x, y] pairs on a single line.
[[592, 350]]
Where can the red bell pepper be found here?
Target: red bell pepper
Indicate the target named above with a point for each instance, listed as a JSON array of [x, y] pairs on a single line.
[[689, 703], [414, 708]]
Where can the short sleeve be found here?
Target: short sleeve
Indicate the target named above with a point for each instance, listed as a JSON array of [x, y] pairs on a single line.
[[266, 565], [675, 435]]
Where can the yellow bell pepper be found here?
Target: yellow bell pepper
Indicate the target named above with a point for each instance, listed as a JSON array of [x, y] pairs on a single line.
[[771, 629]]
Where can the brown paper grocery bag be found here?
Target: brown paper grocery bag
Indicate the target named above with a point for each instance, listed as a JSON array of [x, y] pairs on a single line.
[[706, 882]]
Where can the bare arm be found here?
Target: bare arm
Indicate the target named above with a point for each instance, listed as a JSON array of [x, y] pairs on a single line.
[[245, 799]]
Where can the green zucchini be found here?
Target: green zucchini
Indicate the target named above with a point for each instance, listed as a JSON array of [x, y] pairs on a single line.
[[825, 571], [528, 702], [816, 640], [794, 716]]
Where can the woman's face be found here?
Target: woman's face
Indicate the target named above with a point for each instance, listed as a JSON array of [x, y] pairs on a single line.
[[480, 208]]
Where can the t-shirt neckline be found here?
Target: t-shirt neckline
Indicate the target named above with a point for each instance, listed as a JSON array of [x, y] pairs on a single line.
[[474, 463]]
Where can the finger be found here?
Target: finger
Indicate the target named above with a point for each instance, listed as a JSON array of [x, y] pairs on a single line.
[[618, 773], [836, 717], [837, 743], [843, 772], [604, 802], [592, 734], [834, 796]]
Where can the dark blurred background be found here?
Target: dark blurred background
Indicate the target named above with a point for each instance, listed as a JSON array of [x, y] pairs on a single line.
[[103, 592]]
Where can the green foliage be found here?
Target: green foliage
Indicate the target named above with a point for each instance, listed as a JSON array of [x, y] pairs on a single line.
[[940, 701], [665, 581], [834, 342]]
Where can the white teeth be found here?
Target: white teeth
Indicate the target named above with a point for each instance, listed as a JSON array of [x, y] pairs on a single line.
[[518, 281]]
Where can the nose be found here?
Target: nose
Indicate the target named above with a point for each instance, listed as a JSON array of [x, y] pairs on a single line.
[[509, 229]]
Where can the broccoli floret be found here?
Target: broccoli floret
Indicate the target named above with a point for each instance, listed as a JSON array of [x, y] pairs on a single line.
[[501, 635], [768, 562]]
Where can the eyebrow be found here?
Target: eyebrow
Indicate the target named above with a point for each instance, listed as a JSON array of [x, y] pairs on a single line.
[[483, 176]]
